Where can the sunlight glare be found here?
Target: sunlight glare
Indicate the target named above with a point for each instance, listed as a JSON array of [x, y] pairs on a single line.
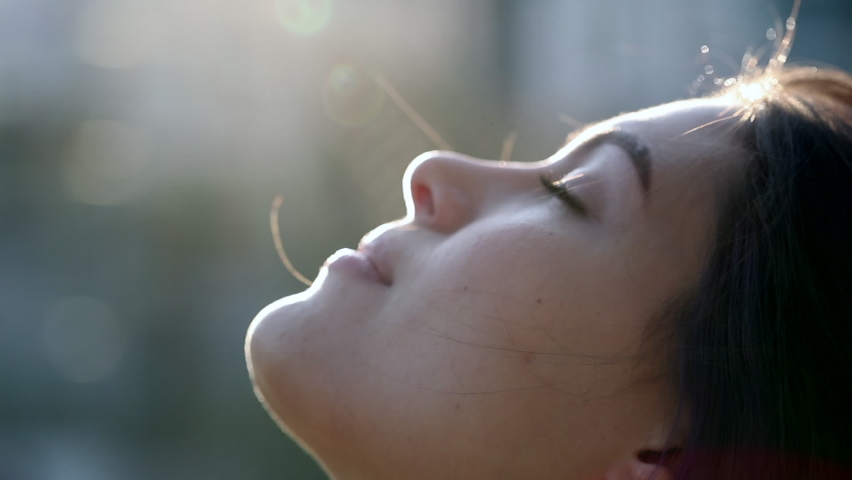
[[303, 17]]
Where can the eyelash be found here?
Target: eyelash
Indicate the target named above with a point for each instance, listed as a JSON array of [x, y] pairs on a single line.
[[559, 191]]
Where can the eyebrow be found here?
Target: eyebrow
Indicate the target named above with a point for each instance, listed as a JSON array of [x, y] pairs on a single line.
[[637, 150]]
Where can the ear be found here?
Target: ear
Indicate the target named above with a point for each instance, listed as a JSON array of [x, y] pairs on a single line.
[[643, 466]]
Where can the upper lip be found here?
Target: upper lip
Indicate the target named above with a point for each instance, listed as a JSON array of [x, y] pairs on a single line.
[[376, 252]]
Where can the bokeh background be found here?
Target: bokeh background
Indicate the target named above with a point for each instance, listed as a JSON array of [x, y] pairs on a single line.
[[143, 141]]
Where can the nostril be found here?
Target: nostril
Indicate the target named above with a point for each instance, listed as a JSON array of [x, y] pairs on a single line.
[[423, 198]]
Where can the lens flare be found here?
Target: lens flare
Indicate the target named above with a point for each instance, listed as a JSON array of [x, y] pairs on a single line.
[[350, 95], [303, 17]]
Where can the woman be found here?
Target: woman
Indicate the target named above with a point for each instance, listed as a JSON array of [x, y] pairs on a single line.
[[666, 297]]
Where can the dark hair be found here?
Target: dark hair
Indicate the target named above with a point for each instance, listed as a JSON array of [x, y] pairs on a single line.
[[763, 341]]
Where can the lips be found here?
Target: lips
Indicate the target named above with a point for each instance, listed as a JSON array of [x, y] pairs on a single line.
[[377, 252]]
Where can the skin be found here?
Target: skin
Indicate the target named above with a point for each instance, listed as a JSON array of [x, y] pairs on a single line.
[[506, 345]]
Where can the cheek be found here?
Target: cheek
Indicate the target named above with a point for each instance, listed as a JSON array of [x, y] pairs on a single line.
[[496, 321], [518, 310]]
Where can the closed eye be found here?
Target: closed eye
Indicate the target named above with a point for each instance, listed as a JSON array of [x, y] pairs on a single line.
[[560, 191]]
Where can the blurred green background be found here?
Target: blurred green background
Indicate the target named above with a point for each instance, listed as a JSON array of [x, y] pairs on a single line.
[[143, 141]]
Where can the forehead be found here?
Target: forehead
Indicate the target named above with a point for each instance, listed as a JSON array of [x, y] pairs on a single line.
[[691, 142], [697, 129], [706, 122], [694, 154]]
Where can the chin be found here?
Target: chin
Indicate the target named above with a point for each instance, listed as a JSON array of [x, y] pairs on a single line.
[[293, 350]]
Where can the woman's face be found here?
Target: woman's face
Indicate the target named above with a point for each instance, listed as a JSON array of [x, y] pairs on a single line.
[[500, 339]]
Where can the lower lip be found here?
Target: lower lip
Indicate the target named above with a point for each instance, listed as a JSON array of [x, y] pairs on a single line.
[[354, 263]]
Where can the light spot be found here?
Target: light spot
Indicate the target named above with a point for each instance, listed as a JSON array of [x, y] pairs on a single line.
[[105, 164], [757, 91], [83, 339], [705, 49], [752, 92], [351, 97], [770, 34], [708, 69], [303, 17], [791, 23]]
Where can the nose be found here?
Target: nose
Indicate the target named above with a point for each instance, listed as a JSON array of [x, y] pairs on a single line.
[[445, 191]]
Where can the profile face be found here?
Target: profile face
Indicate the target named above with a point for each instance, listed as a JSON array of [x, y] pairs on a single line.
[[499, 338]]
